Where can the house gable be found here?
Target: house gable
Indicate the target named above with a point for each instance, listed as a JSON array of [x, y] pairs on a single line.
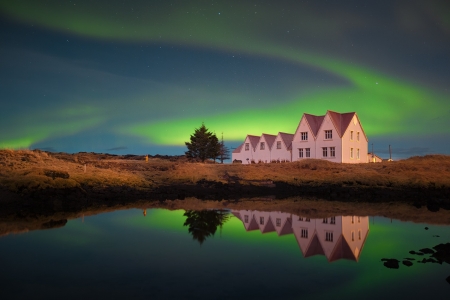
[[308, 123]]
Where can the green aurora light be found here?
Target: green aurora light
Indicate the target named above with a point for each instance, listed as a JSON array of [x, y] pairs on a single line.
[[371, 93]]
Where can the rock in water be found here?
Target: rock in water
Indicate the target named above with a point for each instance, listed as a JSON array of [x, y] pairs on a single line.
[[407, 263], [391, 263]]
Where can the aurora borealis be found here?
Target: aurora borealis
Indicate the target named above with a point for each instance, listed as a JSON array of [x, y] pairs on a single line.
[[139, 76]]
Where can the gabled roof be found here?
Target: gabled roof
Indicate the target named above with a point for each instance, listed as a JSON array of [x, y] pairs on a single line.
[[314, 247], [287, 139], [341, 121], [253, 140], [287, 228], [342, 250], [269, 138], [314, 122], [238, 149], [268, 227]]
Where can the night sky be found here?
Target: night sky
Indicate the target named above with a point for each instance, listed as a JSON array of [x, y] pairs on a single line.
[[137, 77]]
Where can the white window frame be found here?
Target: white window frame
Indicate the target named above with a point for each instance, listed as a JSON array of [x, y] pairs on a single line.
[[247, 146], [307, 152], [300, 152], [328, 134], [324, 151], [278, 144], [304, 136], [328, 236], [262, 146], [304, 233], [351, 153], [332, 151]]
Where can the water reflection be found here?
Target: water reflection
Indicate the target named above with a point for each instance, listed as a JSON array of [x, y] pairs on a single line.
[[203, 224], [340, 237]]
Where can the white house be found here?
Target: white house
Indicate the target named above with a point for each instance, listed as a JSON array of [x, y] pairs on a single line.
[[282, 147], [339, 237], [246, 151], [335, 137], [263, 150]]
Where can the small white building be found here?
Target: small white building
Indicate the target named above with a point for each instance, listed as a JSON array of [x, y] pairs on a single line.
[[334, 136]]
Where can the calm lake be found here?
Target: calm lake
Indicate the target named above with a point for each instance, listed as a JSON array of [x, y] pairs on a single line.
[[161, 254]]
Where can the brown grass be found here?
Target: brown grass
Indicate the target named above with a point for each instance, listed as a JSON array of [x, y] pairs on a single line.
[[24, 169]]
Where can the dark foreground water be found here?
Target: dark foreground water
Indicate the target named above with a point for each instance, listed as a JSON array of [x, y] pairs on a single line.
[[226, 255]]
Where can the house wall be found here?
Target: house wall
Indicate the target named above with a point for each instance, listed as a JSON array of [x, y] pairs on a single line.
[[322, 228], [247, 154], [282, 154], [348, 143], [322, 142], [262, 155], [297, 142], [355, 230], [299, 223]]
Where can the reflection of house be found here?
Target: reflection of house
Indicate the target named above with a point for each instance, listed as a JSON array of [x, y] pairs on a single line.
[[335, 137], [335, 237]]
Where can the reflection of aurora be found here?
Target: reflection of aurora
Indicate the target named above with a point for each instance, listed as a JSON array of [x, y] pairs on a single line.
[[340, 237]]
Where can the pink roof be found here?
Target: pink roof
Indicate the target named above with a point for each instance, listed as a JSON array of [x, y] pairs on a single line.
[[341, 121], [253, 140], [342, 250], [314, 122], [269, 138], [287, 138], [238, 149]]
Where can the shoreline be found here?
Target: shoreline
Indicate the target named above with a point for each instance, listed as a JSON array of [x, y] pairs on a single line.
[[52, 182]]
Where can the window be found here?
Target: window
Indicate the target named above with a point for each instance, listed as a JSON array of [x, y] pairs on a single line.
[[261, 220], [307, 220], [353, 219], [332, 151], [304, 136], [353, 236], [247, 146], [300, 218], [351, 152], [357, 153], [324, 151], [246, 218], [357, 136], [300, 152], [333, 220], [359, 219], [351, 135], [304, 233], [328, 134], [328, 236], [359, 234], [325, 221], [262, 146], [307, 150], [278, 144], [278, 222]]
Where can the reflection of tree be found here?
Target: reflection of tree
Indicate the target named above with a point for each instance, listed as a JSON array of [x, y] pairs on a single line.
[[203, 224]]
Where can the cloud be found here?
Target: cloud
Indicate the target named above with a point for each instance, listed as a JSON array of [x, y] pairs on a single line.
[[117, 148]]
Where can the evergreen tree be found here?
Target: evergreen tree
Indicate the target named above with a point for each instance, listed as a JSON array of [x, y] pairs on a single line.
[[224, 152], [203, 145]]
